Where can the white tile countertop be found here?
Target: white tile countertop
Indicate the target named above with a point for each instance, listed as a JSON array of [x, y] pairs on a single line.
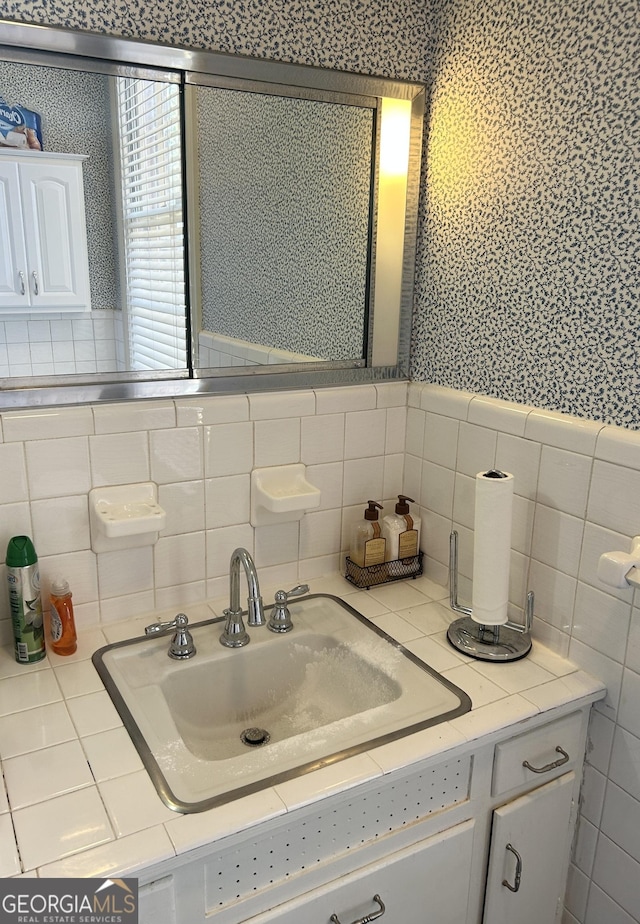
[[76, 800]]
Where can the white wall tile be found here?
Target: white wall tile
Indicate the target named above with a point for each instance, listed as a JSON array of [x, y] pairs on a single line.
[[276, 545], [621, 820], [437, 489], [220, 544], [617, 874], [57, 467], [603, 910], [351, 398], [277, 444], [227, 501], [278, 405], [562, 431], [521, 457], [124, 572], [441, 439], [629, 713], [557, 539], [391, 394], [599, 741], [60, 524], [228, 449], [192, 412], [13, 473], [620, 446], [393, 476], [184, 504], [322, 438], [319, 533], [133, 416], [476, 449], [179, 559], [365, 433], [447, 401], [119, 458], [396, 430], [633, 643], [506, 416], [614, 498], [564, 480], [601, 621], [605, 669], [362, 481], [555, 594], [176, 454], [48, 423], [625, 761], [328, 478], [416, 419]]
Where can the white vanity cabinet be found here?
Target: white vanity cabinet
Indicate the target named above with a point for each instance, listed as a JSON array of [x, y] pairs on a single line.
[[43, 240], [410, 886], [479, 834]]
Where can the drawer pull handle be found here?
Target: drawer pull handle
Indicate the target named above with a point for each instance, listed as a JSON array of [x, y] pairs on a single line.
[[518, 876], [36, 287], [368, 917], [552, 766], [22, 285]]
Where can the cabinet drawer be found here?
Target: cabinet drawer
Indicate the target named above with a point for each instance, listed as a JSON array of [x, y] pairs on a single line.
[[540, 749]]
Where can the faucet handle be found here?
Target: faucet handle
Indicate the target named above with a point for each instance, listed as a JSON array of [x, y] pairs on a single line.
[[182, 645], [281, 617]]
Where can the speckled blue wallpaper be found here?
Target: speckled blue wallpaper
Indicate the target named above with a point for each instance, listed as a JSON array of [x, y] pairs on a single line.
[[528, 283], [527, 272]]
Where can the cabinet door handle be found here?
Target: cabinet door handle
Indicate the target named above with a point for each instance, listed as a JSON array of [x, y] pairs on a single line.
[[518, 876], [36, 288], [552, 766], [21, 278], [368, 917]]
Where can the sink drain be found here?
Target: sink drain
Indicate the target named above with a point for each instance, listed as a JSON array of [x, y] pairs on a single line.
[[254, 737]]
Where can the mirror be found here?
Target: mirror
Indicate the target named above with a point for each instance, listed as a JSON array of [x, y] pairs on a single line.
[[241, 221]]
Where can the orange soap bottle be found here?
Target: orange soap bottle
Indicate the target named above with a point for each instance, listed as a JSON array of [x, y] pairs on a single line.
[[64, 640]]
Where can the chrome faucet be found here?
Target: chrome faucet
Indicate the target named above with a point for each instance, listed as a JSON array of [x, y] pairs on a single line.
[[235, 634]]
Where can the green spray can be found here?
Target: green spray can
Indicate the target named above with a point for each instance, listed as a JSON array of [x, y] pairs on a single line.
[[23, 577]]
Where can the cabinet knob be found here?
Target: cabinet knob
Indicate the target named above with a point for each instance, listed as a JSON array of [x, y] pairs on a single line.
[[368, 917]]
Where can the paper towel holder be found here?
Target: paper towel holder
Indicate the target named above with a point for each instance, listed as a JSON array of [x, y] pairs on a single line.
[[508, 642]]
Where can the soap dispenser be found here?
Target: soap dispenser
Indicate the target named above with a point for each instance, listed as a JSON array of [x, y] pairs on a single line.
[[367, 544], [401, 531]]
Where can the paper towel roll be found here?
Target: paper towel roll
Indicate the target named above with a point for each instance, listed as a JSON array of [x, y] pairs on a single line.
[[492, 547]]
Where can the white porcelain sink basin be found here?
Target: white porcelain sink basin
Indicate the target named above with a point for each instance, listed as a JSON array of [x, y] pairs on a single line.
[[334, 686]]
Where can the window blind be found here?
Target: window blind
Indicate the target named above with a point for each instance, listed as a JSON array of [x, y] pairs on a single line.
[[152, 222]]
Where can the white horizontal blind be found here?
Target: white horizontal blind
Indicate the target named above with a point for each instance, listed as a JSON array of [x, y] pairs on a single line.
[[151, 171]]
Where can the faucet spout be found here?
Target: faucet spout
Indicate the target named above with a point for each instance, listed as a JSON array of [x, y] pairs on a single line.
[[234, 634], [255, 606]]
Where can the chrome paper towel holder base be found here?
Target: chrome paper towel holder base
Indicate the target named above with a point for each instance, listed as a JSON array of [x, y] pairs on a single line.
[[508, 642]]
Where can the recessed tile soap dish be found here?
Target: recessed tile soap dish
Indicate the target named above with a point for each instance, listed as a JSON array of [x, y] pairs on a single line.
[[125, 516]]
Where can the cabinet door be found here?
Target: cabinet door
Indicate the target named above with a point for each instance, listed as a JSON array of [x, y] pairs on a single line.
[[55, 234], [530, 841], [13, 259], [427, 883]]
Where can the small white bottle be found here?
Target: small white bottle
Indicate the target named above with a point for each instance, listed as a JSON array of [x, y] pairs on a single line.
[[367, 543], [402, 531]]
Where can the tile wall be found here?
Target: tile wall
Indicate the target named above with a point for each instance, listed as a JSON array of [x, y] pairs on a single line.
[[61, 345], [577, 495], [200, 453]]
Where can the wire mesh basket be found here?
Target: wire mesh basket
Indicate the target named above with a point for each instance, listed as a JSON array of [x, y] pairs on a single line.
[[397, 570]]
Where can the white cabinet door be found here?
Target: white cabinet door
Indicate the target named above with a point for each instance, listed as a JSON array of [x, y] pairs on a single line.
[[55, 234], [529, 856], [427, 883], [14, 292]]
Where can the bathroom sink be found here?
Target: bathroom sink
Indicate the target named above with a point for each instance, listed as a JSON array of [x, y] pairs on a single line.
[[228, 722]]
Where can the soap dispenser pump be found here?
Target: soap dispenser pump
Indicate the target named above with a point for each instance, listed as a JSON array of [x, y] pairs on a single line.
[[401, 531], [367, 543]]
